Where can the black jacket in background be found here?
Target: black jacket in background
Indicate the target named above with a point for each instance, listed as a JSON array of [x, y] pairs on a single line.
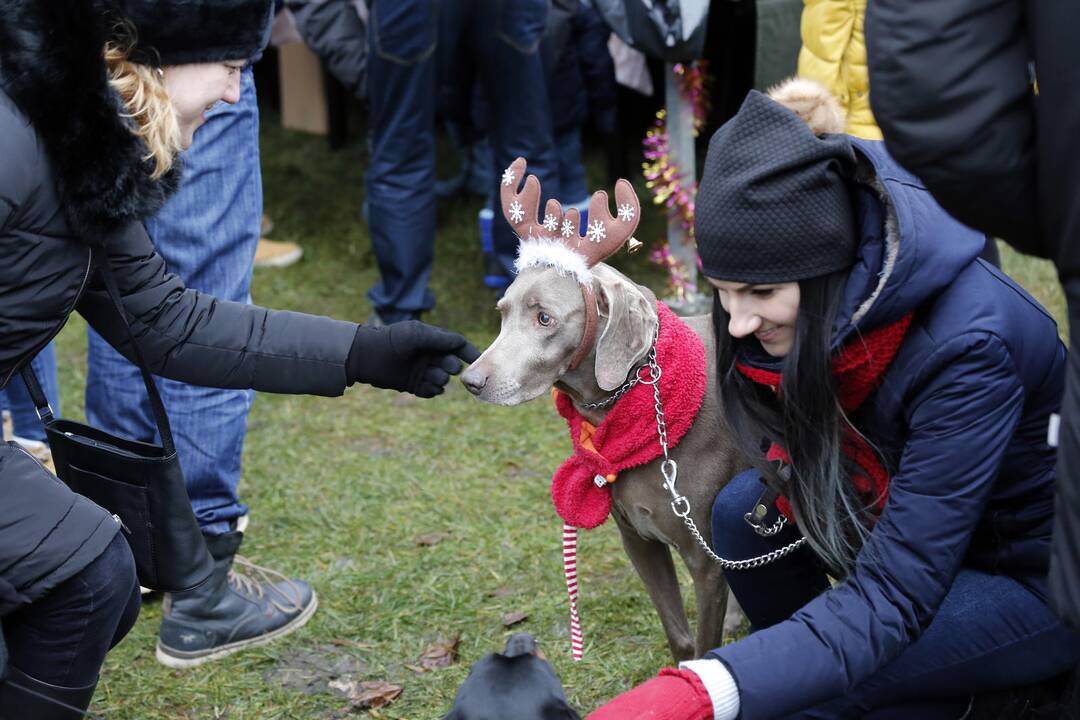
[[981, 100]]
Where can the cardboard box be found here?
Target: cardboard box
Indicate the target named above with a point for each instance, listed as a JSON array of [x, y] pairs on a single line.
[[303, 90]]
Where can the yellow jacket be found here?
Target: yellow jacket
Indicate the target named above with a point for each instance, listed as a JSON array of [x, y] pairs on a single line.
[[834, 53]]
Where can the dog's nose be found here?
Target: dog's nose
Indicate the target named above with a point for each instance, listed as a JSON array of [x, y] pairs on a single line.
[[474, 380]]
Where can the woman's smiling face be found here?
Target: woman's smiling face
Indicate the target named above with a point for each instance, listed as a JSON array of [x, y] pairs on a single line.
[[196, 87], [768, 311]]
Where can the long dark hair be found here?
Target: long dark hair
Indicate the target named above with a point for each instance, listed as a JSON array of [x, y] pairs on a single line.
[[805, 419]]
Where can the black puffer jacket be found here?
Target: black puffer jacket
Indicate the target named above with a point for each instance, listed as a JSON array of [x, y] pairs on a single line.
[[955, 95], [71, 177]]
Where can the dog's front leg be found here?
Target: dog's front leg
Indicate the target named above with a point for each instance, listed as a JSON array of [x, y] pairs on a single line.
[[711, 596], [652, 561]]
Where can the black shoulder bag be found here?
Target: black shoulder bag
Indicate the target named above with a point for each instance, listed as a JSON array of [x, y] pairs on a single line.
[[139, 482]]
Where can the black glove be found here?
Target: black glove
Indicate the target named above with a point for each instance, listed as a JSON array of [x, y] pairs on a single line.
[[409, 356]]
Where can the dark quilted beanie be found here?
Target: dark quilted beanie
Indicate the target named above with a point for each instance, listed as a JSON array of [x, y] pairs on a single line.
[[773, 204]]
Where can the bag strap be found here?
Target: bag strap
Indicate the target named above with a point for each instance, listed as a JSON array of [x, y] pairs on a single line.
[[156, 405]]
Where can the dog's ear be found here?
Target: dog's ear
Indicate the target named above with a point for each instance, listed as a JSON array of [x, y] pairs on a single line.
[[628, 317]]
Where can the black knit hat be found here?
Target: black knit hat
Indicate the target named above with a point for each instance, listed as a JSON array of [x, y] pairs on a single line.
[[773, 204], [176, 32]]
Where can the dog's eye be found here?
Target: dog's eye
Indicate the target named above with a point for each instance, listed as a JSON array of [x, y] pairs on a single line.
[[543, 318]]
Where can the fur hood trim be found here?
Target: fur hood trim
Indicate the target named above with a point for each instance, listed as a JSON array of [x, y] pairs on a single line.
[[51, 66]]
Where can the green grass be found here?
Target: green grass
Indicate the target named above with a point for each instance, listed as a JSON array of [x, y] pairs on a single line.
[[339, 489]]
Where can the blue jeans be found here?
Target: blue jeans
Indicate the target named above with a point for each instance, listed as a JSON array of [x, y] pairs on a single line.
[[572, 187], [504, 36], [207, 234], [990, 633], [16, 399], [63, 637]]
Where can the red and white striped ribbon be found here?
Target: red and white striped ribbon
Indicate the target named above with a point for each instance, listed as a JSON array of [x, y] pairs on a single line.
[[569, 553]]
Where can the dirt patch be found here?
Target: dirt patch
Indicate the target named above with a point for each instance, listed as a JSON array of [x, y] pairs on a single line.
[[311, 671]]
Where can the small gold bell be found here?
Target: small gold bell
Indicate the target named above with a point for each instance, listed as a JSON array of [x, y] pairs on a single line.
[[633, 245]]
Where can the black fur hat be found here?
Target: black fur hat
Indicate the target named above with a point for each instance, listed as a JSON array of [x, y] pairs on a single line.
[[52, 67], [175, 32]]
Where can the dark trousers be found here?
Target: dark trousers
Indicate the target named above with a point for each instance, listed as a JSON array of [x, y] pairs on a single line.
[[1065, 549], [409, 40], [62, 638], [990, 633]]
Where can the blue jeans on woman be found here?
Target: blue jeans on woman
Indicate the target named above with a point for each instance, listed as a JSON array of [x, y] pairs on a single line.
[[990, 633], [207, 233], [16, 399]]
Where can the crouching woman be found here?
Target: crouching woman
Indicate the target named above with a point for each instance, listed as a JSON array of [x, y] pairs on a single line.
[[894, 394]]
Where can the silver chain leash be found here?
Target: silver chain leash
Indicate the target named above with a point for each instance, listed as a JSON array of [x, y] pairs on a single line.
[[679, 503]]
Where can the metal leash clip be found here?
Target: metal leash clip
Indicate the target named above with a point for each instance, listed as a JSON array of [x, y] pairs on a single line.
[[679, 504]]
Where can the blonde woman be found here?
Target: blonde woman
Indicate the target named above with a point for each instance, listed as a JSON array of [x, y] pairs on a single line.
[[97, 98]]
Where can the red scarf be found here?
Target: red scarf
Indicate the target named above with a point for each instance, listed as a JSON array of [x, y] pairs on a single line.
[[627, 436], [858, 369]]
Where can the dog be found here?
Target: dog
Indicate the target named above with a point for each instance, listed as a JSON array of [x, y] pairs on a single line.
[[528, 358], [518, 684]]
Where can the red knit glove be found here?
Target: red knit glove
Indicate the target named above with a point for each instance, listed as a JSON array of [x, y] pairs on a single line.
[[671, 695]]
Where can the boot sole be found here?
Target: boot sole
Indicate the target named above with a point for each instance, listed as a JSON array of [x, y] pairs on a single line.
[[182, 660]]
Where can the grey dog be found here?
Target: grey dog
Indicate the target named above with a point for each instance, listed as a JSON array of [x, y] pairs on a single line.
[[526, 360]]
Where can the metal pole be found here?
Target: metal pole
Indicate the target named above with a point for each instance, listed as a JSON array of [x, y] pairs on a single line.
[[680, 127]]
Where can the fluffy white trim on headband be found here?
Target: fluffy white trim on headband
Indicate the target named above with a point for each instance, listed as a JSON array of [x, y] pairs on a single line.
[[547, 252]]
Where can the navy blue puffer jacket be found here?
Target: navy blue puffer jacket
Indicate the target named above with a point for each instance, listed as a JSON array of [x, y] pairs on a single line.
[[961, 418]]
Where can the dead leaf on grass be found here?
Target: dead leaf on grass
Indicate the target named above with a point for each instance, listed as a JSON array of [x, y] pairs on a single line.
[[513, 618], [430, 539], [500, 592], [367, 694], [442, 653]]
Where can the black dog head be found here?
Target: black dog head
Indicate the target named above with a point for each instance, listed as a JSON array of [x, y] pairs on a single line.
[[516, 685]]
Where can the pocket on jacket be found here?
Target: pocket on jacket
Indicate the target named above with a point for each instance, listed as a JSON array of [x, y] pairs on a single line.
[[521, 24], [404, 32]]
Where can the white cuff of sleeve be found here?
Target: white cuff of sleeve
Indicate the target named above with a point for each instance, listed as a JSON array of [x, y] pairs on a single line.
[[723, 691]]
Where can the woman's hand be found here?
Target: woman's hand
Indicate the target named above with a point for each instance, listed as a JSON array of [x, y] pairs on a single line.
[[408, 356], [671, 695]]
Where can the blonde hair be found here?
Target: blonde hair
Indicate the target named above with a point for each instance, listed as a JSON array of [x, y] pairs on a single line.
[[147, 102]]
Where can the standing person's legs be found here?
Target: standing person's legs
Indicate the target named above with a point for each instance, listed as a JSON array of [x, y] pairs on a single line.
[[508, 37], [207, 233], [16, 399], [400, 181]]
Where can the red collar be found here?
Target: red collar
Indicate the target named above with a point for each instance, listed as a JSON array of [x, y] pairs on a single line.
[[627, 437]]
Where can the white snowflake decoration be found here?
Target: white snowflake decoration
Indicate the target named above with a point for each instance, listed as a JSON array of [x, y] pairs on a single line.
[[550, 223], [597, 232], [626, 212], [567, 228], [517, 213], [508, 176]]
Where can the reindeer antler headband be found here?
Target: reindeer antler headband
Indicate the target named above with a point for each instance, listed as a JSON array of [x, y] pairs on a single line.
[[556, 241]]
